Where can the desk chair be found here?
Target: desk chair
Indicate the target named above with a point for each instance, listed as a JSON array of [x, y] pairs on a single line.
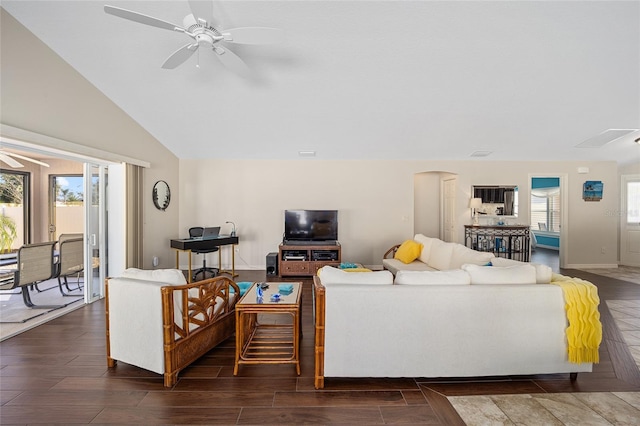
[[197, 231]]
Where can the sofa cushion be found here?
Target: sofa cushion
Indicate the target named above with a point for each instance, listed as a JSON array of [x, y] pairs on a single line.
[[408, 251], [394, 265], [520, 274], [426, 246], [164, 276], [453, 277], [330, 275], [543, 272], [440, 255], [462, 254]]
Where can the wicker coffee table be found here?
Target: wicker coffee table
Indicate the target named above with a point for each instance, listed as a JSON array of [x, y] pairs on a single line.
[[260, 341]]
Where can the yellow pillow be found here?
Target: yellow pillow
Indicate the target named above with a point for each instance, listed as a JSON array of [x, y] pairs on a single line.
[[408, 251]]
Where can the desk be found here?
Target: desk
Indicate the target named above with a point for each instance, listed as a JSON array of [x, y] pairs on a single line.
[[189, 244]]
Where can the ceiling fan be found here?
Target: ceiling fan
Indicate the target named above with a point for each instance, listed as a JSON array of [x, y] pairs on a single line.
[[8, 158], [206, 32]]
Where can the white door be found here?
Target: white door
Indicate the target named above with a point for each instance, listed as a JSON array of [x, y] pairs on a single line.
[[630, 220], [448, 210]]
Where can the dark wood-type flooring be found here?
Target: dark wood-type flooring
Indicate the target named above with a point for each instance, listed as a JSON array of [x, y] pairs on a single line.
[[57, 373]]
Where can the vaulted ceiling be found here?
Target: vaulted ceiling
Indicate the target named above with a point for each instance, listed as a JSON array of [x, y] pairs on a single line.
[[369, 79]]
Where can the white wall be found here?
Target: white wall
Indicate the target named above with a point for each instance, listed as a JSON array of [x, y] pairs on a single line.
[[43, 94], [373, 198]]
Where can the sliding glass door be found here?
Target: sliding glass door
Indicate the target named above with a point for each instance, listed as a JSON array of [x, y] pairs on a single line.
[[96, 226]]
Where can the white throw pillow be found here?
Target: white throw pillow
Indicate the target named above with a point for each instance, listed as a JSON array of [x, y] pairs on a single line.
[[543, 272], [167, 276], [440, 255], [455, 277], [426, 246], [462, 255], [330, 275], [522, 274]]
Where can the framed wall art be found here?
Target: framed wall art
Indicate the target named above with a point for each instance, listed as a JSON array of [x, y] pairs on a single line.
[[592, 190]]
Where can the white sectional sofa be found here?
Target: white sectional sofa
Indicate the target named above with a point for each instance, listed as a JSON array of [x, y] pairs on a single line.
[[436, 255], [474, 321]]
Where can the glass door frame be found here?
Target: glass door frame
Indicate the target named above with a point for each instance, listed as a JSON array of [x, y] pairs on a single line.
[[95, 230]]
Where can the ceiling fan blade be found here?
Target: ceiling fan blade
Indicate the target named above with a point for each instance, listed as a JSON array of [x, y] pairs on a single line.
[[179, 56], [232, 61], [202, 10], [10, 161], [254, 35], [22, 157], [143, 19]]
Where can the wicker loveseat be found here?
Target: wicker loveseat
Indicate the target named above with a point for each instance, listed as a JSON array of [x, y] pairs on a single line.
[[156, 321]]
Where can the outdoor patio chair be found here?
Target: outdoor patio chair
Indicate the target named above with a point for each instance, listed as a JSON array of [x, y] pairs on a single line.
[[70, 262], [35, 264]]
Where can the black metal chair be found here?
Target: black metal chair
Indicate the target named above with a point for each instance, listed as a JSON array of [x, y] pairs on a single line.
[[194, 232]]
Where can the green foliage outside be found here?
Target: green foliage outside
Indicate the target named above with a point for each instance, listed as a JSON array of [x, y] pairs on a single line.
[[11, 188], [8, 233]]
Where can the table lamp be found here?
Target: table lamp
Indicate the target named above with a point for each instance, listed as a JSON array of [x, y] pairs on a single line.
[[233, 231], [475, 204]]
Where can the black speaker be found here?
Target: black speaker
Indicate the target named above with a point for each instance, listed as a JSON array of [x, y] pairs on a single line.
[[272, 264]]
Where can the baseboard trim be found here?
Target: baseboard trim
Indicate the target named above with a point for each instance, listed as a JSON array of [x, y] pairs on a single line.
[[591, 266], [547, 247]]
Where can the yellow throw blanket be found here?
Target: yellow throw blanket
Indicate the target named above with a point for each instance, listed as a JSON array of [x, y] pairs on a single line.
[[584, 332]]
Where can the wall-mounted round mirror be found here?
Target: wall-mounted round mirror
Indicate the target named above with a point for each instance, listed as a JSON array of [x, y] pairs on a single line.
[[161, 195]]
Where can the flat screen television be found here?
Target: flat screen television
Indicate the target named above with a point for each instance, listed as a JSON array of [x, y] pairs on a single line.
[[311, 225]]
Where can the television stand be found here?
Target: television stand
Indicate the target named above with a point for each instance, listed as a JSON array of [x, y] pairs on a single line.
[[305, 260]]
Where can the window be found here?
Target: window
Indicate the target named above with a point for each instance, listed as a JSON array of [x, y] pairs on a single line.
[[545, 209], [66, 209], [14, 210]]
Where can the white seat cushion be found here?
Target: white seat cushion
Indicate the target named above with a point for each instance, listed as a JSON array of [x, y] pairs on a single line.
[[394, 265], [330, 275]]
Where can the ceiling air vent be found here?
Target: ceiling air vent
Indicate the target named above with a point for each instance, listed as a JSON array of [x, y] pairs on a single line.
[[604, 138], [481, 153]]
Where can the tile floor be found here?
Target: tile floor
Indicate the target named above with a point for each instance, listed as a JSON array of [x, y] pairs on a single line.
[[601, 408], [626, 314], [624, 273], [598, 408]]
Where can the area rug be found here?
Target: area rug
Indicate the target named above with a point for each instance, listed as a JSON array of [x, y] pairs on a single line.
[[13, 309]]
